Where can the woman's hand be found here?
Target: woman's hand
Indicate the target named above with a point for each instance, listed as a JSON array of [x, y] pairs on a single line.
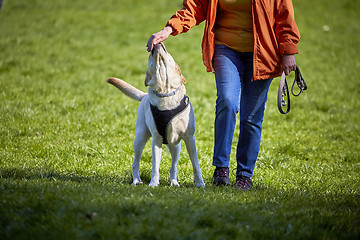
[[288, 63], [158, 37]]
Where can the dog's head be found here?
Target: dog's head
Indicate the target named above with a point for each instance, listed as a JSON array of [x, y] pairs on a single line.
[[163, 74]]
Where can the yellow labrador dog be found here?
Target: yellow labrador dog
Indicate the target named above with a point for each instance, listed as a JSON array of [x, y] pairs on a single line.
[[164, 113]]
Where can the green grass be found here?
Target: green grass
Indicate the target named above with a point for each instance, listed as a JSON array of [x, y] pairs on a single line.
[[66, 137]]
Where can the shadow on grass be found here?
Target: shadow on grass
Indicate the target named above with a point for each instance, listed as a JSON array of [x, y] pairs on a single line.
[[125, 179], [43, 205], [28, 174]]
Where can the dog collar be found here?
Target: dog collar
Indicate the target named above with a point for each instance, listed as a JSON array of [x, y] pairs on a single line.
[[161, 95]]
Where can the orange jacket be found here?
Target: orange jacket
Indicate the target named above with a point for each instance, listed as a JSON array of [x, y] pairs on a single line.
[[274, 28]]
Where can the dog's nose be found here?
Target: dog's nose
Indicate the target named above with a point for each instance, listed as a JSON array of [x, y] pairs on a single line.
[[158, 46], [163, 46], [155, 48]]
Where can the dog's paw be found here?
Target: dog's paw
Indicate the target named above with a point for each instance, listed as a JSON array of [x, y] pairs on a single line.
[[174, 183], [137, 182], [154, 184], [199, 183]]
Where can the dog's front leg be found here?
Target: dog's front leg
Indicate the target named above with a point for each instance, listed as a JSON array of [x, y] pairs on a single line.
[[156, 159], [142, 136], [175, 154], [191, 148]]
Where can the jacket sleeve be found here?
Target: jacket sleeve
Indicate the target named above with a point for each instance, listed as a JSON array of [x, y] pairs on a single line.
[[192, 13], [287, 32]]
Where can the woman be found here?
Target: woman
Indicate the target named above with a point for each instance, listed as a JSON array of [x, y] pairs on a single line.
[[246, 44]]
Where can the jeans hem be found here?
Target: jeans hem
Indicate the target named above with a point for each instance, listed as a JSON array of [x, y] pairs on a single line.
[[220, 165], [244, 174]]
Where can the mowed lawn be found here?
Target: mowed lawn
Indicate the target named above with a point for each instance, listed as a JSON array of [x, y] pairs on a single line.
[[66, 136]]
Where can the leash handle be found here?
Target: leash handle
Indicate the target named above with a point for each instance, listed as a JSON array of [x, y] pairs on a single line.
[[299, 81], [283, 90]]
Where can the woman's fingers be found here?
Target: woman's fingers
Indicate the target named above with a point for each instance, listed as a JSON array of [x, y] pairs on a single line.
[[289, 63], [158, 38], [150, 45]]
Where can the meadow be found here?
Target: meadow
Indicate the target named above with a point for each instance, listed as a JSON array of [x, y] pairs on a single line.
[[66, 136]]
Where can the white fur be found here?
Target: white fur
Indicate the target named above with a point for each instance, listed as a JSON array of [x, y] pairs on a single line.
[[163, 76]]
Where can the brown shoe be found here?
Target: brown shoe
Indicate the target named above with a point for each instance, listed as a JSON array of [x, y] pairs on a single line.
[[221, 176], [243, 183]]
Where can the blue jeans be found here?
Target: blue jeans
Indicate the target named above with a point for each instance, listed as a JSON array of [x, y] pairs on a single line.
[[236, 92]]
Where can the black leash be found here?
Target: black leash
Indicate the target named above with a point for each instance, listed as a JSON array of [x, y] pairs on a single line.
[[284, 90]]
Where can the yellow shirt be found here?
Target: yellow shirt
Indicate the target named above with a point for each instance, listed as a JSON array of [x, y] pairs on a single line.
[[233, 25]]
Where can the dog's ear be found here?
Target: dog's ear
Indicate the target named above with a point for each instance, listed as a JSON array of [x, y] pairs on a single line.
[[147, 78], [177, 69]]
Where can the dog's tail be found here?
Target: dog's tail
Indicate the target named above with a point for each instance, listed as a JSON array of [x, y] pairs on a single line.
[[127, 89]]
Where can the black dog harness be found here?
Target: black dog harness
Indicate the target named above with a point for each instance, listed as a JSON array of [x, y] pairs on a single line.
[[162, 118]]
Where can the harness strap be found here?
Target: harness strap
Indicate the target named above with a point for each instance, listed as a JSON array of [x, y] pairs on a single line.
[[283, 90]]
